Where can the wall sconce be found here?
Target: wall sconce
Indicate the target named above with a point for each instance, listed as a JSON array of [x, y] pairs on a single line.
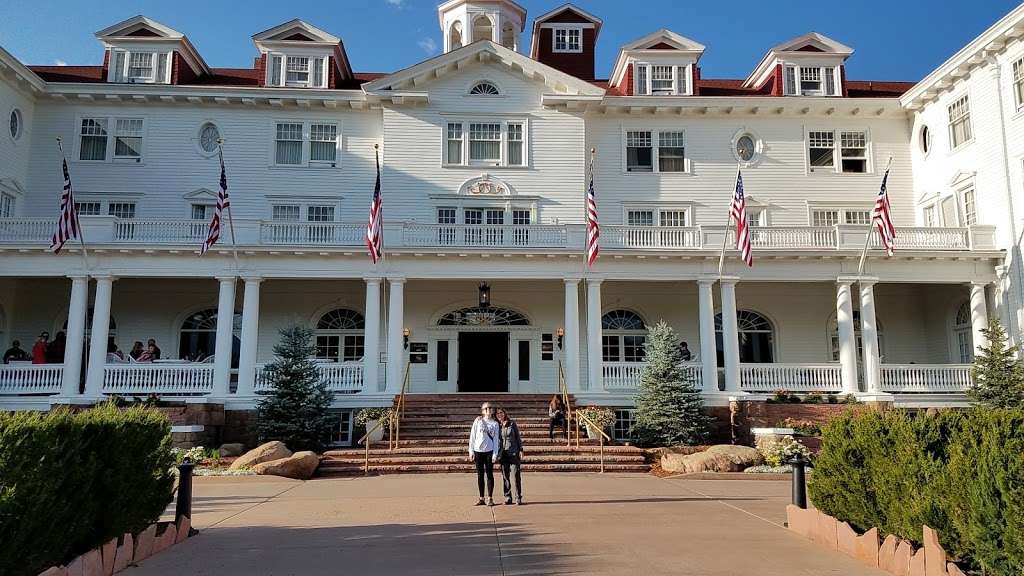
[[485, 295], [405, 337], [561, 336]]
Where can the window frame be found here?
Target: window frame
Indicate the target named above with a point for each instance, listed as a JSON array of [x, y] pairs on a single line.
[[793, 79], [837, 150], [1017, 82], [317, 68], [643, 81], [104, 204], [657, 212], [568, 49], [841, 216], [965, 118], [16, 113], [464, 123], [8, 204], [161, 64], [111, 136], [655, 147], [303, 207], [306, 163]]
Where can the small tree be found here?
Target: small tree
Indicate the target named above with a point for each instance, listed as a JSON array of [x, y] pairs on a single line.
[[295, 409], [998, 372], [669, 409]]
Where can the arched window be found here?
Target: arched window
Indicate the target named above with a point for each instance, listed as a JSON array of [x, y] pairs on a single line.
[[756, 337], [833, 337], [339, 335], [484, 88], [508, 36], [197, 338], [623, 335], [455, 36], [483, 29], [479, 316], [962, 335], [111, 330]]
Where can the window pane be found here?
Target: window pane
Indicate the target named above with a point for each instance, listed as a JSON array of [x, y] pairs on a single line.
[[140, 65], [821, 149], [454, 147], [825, 218], [830, 82], [672, 218], [323, 143], [810, 81], [275, 71], [640, 218], [857, 217], [485, 142], [320, 214], [853, 148], [297, 71], [610, 348], [515, 144], [661, 80], [6, 205], [638, 151], [121, 209], [94, 139], [671, 152], [318, 72], [88, 208], [682, 80], [289, 143], [641, 79], [633, 348], [790, 80], [128, 138], [960, 121], [970, 211], [286, 212]]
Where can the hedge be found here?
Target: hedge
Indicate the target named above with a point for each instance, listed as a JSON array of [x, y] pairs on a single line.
[[70, 481], [960, 472]]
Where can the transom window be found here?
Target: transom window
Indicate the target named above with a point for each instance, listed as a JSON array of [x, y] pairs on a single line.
[[756, 337], [665, 217], [484, 89], [1018, 82], [567, 40], [812, 81], [306, 144], [851, 156], [478, 316], [660, 79], [623, 336], [339, 335], [501, 143], [960, 122]]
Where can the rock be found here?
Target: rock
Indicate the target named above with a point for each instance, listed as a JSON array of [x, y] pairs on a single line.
[[77, 567], [934, 555], [93, 563], [184, 527], [166, 539], [887, 554], [264, 453], [901, 558], [300, 466], [825, 531], [125, 553], [846, 539], [953, 570], [719, 458], [144, 543], [917, 564], [232, 449], [55, 571], [109, 552], [867, 548], [800, 520]]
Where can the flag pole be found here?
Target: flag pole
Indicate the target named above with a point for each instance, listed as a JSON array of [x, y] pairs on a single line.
[[871, 227], [231, 220], [78, 224], [728, 222]]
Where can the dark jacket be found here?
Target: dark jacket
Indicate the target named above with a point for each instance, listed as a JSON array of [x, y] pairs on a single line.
[[511, 443]]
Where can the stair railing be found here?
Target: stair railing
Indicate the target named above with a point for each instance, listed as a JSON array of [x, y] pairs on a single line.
[[399, 412], [602, 436], [563, 389], [366, 444]]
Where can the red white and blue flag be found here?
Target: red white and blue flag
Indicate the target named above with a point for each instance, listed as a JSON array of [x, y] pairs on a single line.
[[223, 202], [374, 242], [738, 211], [593, 227], [67, 224], [881, 215]]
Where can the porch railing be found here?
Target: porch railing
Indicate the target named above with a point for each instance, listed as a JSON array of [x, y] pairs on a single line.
[[626, 375], [792, 237], [28, 230], [651, 237], [792, 377], [930, 378], [928, 238], [483, 235], [30, 379], [312, 233], [341, 377], [189, 379], [161, 231]]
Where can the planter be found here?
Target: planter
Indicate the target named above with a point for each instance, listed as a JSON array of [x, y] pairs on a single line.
[[593, 432], [377, 435]]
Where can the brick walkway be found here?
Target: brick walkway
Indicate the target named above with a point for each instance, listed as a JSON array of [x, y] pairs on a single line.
[[573, 523]]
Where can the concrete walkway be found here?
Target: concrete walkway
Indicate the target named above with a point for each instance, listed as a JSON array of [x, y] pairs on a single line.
[[572, 524]]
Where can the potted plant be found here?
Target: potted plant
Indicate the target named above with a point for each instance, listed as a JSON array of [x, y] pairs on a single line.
[[370, 417], [596, 419]]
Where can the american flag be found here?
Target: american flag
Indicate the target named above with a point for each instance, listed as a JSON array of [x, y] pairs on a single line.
[[593, 227], [882, 217], [738, 210], [373, 227], [67, 225], [223, 202]]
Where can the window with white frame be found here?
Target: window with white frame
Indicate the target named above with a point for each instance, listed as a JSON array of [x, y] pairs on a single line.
[[121, 209], [139, 67], [960, 121], [128, 139], [319, 213], [675, 218], [660, 79], [821, 149], [853, 151], [640, 217], [623, 336], [643, 146], [6, 205], [834, 216], [657, 216], [622, 428], [811, 81], [639, 151], [484, 88], [88, 208], [1018, 82], [671, 151], [850, 157], [930, 216], [857, 217], [285, 212], [323, 144], [970, 208], [297, 71], [201, 211], [567, 40], [341, 430], [756, 217], [306, 144], [94, 139], [500, 143]]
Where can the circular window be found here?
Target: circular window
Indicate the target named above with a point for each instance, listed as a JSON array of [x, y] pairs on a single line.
[[926, 139], [15, 125], [209, 137], [746, 147]]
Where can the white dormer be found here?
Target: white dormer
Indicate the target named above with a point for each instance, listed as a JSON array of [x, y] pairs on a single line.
[[466, 21], [663, 64], [299, 55], [141, 50], [811, 65]]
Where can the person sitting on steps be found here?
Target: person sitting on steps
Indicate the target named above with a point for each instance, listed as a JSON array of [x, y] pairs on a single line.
[[556, 413], [483, 450], [510, 454]]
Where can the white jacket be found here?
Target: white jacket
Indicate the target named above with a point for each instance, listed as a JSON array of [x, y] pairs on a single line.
[[484, 436]]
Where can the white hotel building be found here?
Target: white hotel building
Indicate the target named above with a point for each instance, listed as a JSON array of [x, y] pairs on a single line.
[[484, 155]]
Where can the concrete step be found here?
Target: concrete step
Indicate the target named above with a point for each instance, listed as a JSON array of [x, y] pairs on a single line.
[[464, 441], [354, 470], [460, 449], [532, 458]]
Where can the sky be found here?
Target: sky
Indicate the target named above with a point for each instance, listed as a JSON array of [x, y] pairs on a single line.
[[892, 39]]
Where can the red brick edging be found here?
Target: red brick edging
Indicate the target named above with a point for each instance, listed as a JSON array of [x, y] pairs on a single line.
[[113, 557], [894, 555]]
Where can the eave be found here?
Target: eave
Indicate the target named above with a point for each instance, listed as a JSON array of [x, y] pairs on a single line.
[[23, 77], [767, 106], [224, 96]]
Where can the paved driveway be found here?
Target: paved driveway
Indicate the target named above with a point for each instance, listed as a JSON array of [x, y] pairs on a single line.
[[572, 524]]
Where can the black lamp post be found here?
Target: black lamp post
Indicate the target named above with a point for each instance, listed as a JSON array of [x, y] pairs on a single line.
[[485, 295]]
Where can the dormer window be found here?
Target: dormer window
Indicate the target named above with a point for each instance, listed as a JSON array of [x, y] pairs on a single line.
[[812, 81], [484, 89], [135, 66], [568, 40], [661, 80], [297, 71]]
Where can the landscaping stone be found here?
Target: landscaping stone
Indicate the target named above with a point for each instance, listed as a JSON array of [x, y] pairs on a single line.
[[718, 458], [264, 453], [846, 539], [92, 563], [867, 548], [183, 528], [800, 520], [901, 558], [77, 567], [953, 570], [299, 466], [887, 554], [166, 539], [231, 449], [108, 552], [125, 553], [55, 571], [825, 531], [917, 564], [935, 555], [144, 543]]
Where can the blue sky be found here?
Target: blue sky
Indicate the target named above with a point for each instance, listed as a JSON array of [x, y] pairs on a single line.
[[893, 39]]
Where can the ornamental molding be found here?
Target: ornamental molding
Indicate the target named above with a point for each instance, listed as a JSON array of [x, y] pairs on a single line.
[[485, 185]]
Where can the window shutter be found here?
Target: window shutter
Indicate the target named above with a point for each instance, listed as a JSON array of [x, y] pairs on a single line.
[[790, 80], [275, 70], [117, 69], [318, 72], [830, 81], [161, 68], [682, 80], [641, 79]]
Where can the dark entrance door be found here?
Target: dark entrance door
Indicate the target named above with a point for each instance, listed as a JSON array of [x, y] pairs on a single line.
[[483, 361]]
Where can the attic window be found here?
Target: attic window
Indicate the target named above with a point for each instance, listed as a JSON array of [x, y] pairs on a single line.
[[567, 40], [139, 67], [296, 71], [484, 89], [812, 81], [661, 80]]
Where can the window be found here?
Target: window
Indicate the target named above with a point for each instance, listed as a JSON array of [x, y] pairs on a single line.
[[275, 70], [660, 79], [790, 80], [970, 208], [88, 208], [850, 157], [547, 346], [821, 149], [671, 152], [285, 212], [209, 137], [341, 431], [297, 72], [862, 217], [484, 142], [339, 335], [640, 217], [94, 136], [834, 336], [453, 154], [121, 209], [622, 429], [521, 236], [824, 217], [93, 143], [1018, 82], [15, 125], [484, 89], [746, 147], [960, 122], [135, 67], [756, 217], [197, 337], [672, 218], [930, 218], [567, 40], [755, 334], [320, 214], [323, 144], [835, 216], [6, 205], [488, 143], [641, 80], [289, 143], [515, 144], [962, 334], [623, 335], [811, 81], [128, 139], [854, 151], [202, 211], [639, 151], [925, 140], [140, 66]]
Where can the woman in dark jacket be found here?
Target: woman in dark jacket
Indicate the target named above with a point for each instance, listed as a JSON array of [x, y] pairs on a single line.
[[556, 413], [510, 455]]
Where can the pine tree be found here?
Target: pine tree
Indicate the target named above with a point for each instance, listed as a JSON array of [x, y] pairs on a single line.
[[669, 409], [296, 408], [998, 372]]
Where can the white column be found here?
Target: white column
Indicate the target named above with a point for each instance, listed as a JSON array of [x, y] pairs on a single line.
[[708, 349], [396, 324], [100, 335], [595, 376], [371, 335], [249, 336], [730, 336], [869, 337], [571, 342], [979, 315], [225, 337], [75, 335], [847, 337]]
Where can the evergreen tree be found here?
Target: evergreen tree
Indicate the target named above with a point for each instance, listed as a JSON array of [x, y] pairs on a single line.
[[669, 409], [295, 409], [998, 372]]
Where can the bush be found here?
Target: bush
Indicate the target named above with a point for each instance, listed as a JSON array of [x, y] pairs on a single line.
[[70, 481], [601, 417], [998, 372], [380, 414], [778, 452]]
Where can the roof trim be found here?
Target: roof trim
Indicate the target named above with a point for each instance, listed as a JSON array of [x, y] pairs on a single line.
[[21, 72], [168, 32], [833, 48], [446, 6], [268, 34], [682, 43]]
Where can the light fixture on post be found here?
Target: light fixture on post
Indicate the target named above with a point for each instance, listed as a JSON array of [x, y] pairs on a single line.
[[405, 337], [561, 336], [485, 295]]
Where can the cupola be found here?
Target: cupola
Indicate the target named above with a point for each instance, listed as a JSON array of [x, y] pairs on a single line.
[[466, 21]]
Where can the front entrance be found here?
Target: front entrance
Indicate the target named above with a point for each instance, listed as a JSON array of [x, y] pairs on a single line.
[[483, 361]]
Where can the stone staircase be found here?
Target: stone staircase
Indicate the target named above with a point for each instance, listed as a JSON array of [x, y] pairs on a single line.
[[434, 438]]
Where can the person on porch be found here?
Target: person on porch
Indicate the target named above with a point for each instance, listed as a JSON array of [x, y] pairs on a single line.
[[153, 349], [510, 454], [556, 415], [684, 352], [136, 350], [39, 348], [15, 353], [483, 450]]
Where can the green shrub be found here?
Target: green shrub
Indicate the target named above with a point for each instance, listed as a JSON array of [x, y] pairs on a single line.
[[70, 481]]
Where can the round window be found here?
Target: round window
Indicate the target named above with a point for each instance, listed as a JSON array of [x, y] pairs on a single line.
[[746, 147], [15, 123], [926, 139], [209, 137]]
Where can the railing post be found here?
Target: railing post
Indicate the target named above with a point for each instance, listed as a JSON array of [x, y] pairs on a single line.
[[602, 453], [183, 507]]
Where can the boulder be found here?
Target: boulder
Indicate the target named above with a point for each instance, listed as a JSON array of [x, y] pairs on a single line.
[[264, 453], [300, 466], [719, 458], [233, 449]]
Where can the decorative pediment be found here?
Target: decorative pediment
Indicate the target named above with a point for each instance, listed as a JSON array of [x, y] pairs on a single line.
[[296, 31], [961, 177], [665, 39], [203, 195], [485, 185], [139, 27], [814, 42], [12, 186]]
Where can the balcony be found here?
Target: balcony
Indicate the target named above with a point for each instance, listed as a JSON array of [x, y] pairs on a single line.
[[484, 236], [340, 377]]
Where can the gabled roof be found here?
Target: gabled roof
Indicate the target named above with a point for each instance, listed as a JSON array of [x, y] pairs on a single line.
[[567, 7], [663, 40], [144, 29], [483, 51], [295, 30], [810, 43]]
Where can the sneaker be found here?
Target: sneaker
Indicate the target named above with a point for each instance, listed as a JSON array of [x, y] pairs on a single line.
[[508, 501], [479, 502], [519, 502], [490, 501]]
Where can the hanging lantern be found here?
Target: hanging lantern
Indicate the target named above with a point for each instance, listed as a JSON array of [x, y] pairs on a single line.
[[485, 295]]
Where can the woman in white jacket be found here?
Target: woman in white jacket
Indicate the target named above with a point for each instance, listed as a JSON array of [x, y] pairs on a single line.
[[484, 438]]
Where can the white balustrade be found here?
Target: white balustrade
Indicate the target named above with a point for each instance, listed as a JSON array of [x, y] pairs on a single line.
[[158, 378], [791, 237], [161, 231], [312, 233], [485, 235], [767, 378], [341, 377], [930, 378], [27, 230], [19, 378], [927, 238], [651, 237], [626, 375]]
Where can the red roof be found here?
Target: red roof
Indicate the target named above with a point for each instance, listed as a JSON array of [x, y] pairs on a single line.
[[69, 73]]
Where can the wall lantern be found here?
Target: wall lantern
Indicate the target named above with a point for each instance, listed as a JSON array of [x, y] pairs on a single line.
[[485, 295], [405, 337], [561, 336]]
